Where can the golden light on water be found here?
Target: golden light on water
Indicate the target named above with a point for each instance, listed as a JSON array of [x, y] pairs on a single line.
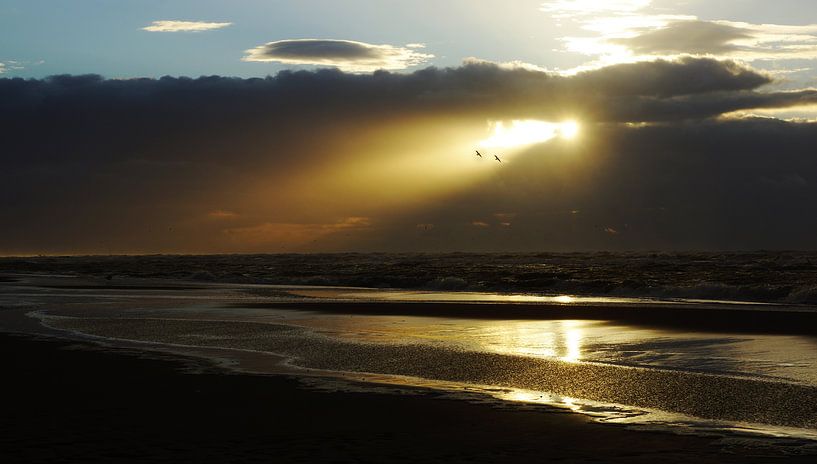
[[521, 132], [532, 396], [573, 342]]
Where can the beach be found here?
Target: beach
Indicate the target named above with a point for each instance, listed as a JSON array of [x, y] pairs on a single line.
[[135, 368], [79, 403]]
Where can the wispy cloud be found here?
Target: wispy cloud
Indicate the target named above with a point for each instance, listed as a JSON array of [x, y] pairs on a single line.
[[774, 41], [221, 214], [510, 65], [695, 37], [633, 30], [347, 55], [184, 26], [12, 65], [739, 40], [294, 234], [572, 8]]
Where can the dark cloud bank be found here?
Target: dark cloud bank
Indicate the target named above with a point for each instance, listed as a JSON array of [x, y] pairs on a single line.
[[96, 165]]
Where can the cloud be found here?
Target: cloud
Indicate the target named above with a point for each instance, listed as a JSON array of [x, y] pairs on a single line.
[[221, 214], [292, 235], [570, 8], [184, 26], [740, 40], [638, 32], [774, 42], [515, 64], [99, 165], [631, 31], [665, 78], [695, 87], [347, 55], [12, 65], [693, 37]]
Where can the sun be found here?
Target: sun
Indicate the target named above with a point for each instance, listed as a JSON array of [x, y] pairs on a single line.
[[519, 133], [569, 129]]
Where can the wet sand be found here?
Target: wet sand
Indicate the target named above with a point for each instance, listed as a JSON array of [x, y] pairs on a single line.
[[73, 402], [696, 394], [92, 404]]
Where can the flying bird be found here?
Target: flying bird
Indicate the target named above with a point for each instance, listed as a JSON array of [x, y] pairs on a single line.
[[478, 153], [497, 158]]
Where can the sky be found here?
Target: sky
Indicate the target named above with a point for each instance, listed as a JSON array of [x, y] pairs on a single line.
[[140, 126]]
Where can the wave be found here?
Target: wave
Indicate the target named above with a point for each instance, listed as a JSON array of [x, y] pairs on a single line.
[[779, 277]]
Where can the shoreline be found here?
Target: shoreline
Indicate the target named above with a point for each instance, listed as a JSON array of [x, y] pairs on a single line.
[[735, 317], [126, 312], [76, 401]]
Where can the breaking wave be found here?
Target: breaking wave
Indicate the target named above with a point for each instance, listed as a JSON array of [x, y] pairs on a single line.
[[781, 277]]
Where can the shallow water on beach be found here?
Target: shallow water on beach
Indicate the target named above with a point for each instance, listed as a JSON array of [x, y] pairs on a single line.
[[618, 372], [489, 297], [789, 358]]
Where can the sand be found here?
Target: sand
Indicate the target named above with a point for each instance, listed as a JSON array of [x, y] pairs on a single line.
[[74, 402]]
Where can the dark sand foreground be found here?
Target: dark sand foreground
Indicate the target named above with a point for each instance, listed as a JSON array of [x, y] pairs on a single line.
[[69, 402]]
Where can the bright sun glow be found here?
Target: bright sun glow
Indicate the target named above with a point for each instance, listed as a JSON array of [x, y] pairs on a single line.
[[527, 132], [569, 129]]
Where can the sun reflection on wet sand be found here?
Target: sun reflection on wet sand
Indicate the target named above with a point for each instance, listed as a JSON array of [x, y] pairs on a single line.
[[560, 339], [483, 297], [578, 341], [572, 341], [537, 397], [428, 296]]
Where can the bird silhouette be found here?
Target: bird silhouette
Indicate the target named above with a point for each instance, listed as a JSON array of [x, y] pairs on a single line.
[[478, 153], [497, 158]]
